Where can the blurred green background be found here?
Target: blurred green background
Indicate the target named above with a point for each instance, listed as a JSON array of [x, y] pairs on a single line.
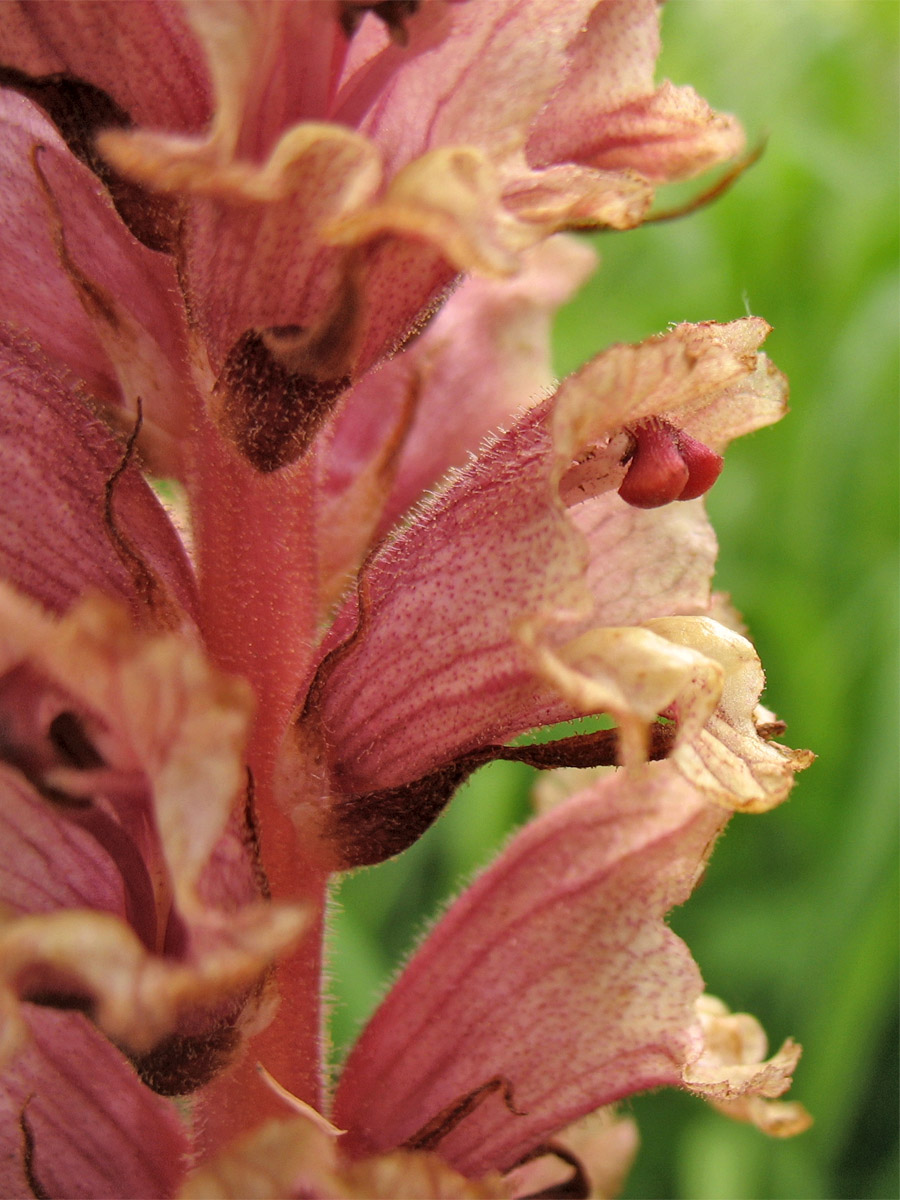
[[797, 919]]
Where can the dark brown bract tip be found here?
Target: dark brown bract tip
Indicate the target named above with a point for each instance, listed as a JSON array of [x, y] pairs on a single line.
[[80, 110], [394, 14], [268, 411]]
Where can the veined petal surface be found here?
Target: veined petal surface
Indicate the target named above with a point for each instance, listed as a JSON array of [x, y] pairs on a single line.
[[76, 1121], [555, 972], [76, 515]]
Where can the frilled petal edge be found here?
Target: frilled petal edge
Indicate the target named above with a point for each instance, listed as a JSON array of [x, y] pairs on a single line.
[[734, 1075], [554, 979]]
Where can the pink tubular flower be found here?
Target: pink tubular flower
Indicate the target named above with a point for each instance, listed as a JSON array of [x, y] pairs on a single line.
[[230, 234]]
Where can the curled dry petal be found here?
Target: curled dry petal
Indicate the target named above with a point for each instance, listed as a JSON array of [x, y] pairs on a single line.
[[707, 677], [162, 708], [310, 193], [632, 675], [461, 176], [732, 758], [732, 1071], [503, 68], [555, 973], [451, 197]]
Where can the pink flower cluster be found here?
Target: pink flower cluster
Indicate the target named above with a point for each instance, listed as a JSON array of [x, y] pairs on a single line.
[[297, 532]]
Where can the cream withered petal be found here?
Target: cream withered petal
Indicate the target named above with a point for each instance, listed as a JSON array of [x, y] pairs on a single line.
[[451, 197], [180, 1017], [249, 50], [319, 181], [164, 711], [454, 198], [361, 169], [450, 172], [734, 1075], [732, 759], [557, 975], [705, 677], [632, 674]]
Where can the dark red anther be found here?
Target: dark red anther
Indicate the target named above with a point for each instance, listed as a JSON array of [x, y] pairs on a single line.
[[704, 465], [667, 464], [657, 474]]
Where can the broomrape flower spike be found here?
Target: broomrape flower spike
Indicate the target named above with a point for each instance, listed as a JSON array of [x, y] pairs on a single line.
[[300, 260]]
